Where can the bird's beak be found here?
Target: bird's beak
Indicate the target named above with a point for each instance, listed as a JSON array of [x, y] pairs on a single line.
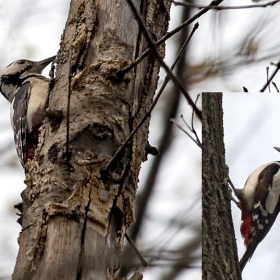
[[277, 149], [39, 66]]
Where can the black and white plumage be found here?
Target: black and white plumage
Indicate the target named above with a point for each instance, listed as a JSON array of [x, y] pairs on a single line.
[[26, 89], [260, 206]]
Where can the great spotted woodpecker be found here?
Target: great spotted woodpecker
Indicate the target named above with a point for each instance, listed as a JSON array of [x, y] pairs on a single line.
[[260, 205], [26, 89]]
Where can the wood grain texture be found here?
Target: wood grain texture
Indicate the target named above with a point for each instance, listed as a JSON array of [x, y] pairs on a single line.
[[75, 213]]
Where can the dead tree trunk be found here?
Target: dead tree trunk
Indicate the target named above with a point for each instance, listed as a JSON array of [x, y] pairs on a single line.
[[219, 251], [79, 197]]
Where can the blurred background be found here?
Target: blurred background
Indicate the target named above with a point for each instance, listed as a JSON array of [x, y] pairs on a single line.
[[231, 49]]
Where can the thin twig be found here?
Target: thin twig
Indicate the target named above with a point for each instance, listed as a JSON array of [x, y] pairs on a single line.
[[271, 78], [143, 261], [181, 128], [267, 74], [186, 124], [275, 86], [193, 130], [161, 62], [195, 27], [197, 97], [170, 34], [165, 82], [219, 8]]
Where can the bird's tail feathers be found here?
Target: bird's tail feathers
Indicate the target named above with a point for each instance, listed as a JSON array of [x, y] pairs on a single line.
[[247, 256]]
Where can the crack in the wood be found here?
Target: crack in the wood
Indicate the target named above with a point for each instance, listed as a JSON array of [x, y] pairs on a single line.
[[80, 264]]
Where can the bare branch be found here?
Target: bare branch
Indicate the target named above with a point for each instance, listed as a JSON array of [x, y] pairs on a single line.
[[222, 67], [275, 86], [267, 74], [170, 34], [143, 261], [167, 79], [191, 128], [272, 77], [181, 128], [219, 8], [162, 63]]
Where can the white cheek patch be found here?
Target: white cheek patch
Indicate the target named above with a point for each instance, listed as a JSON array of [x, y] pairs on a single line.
[[12, 68]]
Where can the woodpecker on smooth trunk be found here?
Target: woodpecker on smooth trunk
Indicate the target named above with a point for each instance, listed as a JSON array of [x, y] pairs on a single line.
[[260, 205], [26, 89]]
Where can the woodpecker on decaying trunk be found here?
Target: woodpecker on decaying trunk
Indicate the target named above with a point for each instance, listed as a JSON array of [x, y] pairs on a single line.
[[260, 205], [26, 89]]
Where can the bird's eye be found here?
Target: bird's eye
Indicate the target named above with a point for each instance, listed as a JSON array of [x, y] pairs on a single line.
[[20, 61]]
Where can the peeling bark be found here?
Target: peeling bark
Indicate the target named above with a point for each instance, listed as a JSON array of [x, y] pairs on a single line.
[[75, 211]]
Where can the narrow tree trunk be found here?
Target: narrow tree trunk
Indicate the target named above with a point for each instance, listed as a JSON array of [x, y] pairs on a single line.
[[219, 251], [78, 202]]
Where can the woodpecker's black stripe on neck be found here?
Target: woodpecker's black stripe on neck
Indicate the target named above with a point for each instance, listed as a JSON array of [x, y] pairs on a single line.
[[15, 79]]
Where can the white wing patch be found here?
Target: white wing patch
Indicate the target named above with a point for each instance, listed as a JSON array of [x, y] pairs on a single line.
[[251, 184], [273, 195]]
